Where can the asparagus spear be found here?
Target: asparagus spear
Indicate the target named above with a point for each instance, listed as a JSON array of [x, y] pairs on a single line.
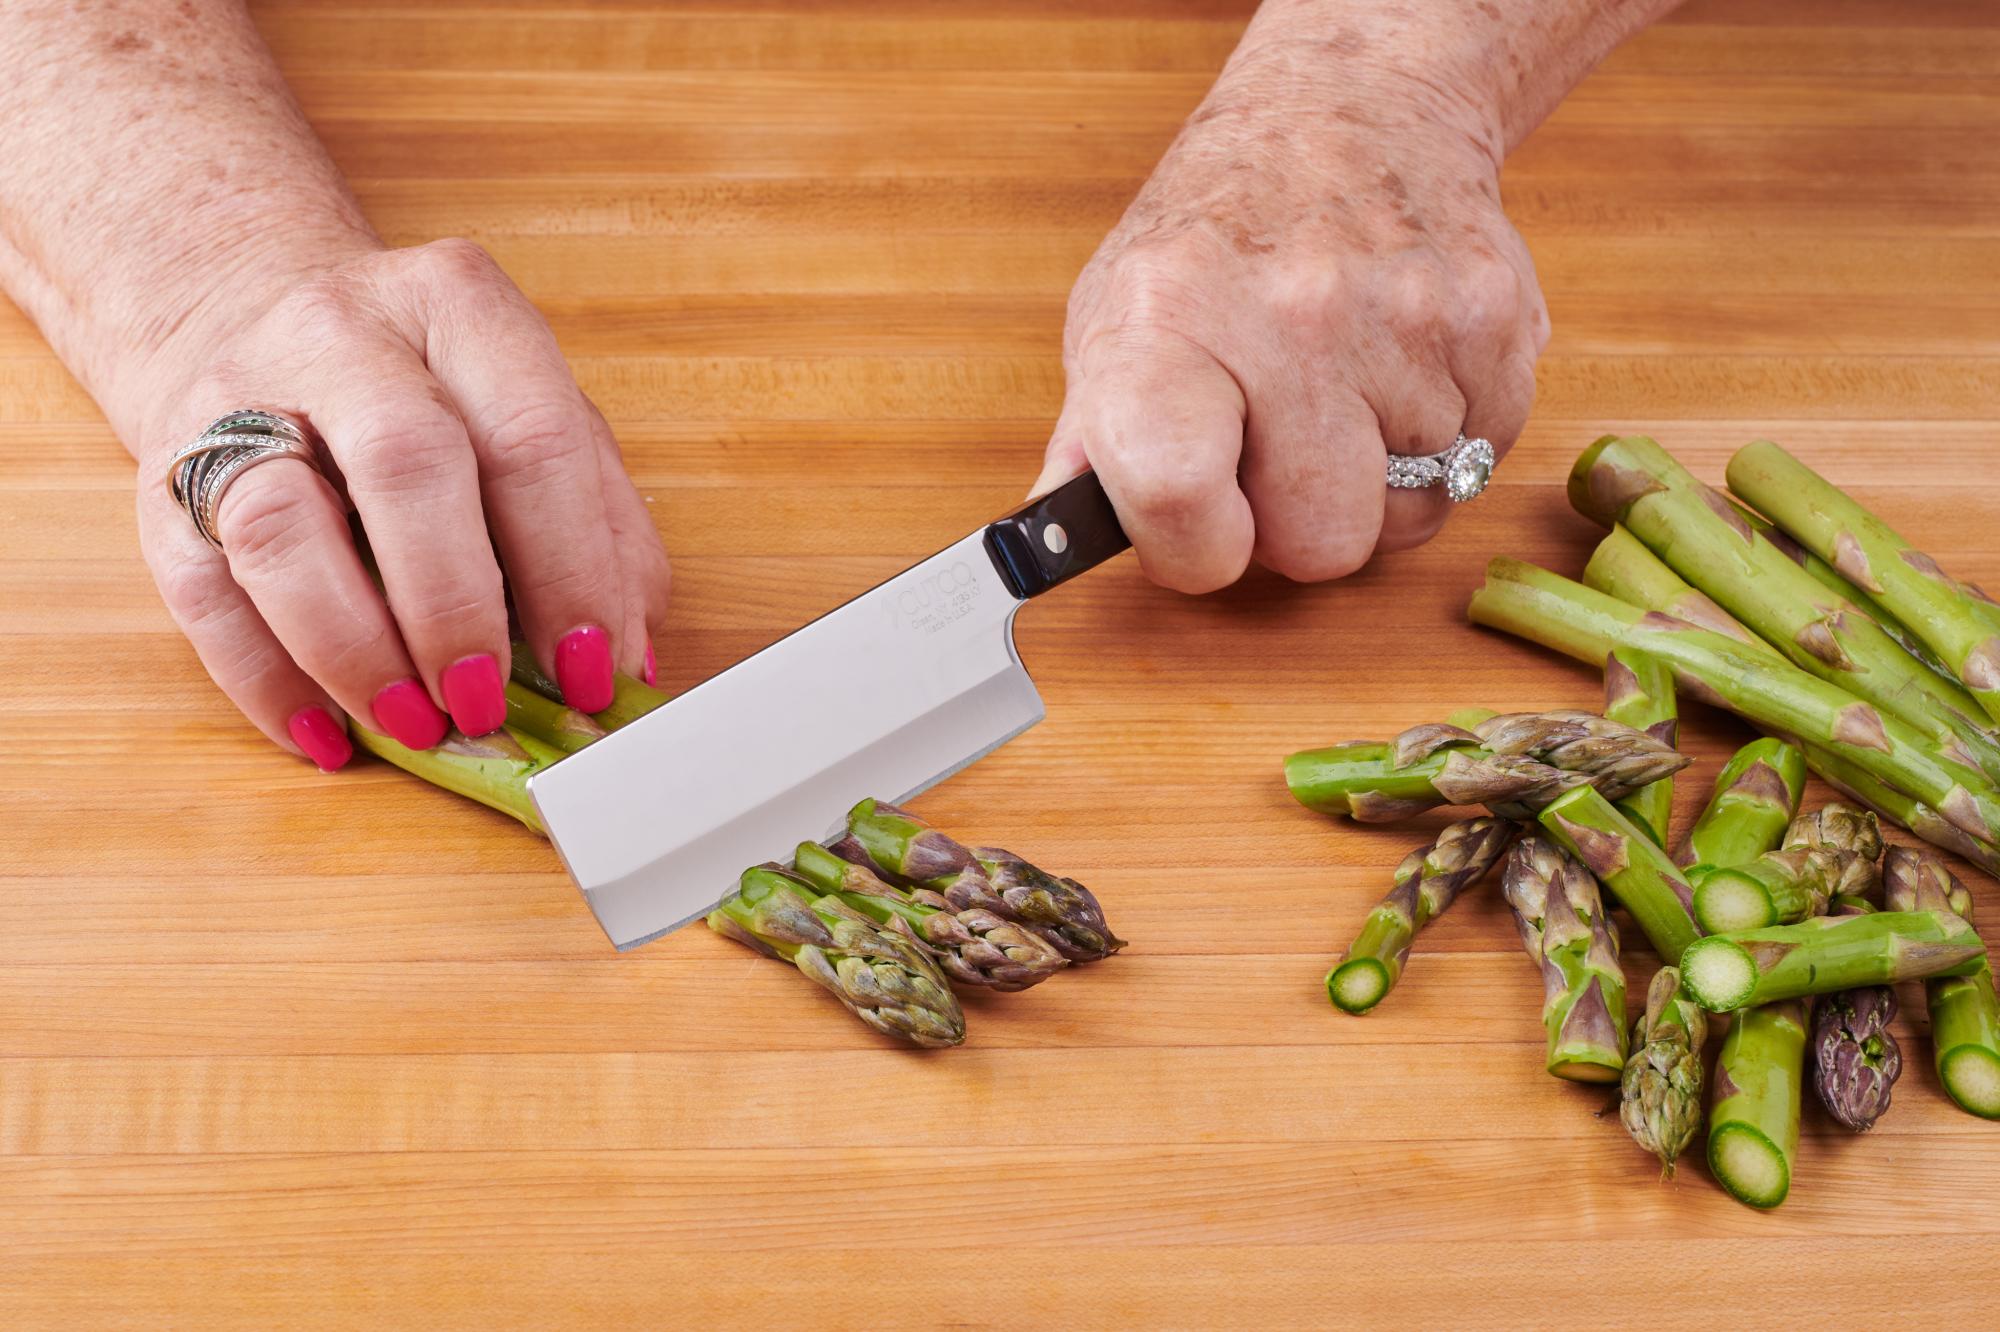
[[1725, 972], [1429, 880], [1753, 1128], [905, 847], [1648, 584], [1628, 862], [492, 769], [1660, 1093], [1551, 610], [1777, 888], [1700, 535], [1957, 622], [1513, 764], [1965, 1015], [1828, 854], [1569, 935], [630, 699], [974, 947], [1639, 691], [1856, 1059], [551, 722], [1756, 795], [884, 976]]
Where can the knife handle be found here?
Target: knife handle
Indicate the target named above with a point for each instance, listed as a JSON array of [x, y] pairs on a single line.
[[1054, 537]]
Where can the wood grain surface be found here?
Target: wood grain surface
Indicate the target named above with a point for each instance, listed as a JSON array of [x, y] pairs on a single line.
[[280, 1049]]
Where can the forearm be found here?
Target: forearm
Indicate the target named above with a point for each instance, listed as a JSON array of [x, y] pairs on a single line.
[[157, 181], [1507, 63]]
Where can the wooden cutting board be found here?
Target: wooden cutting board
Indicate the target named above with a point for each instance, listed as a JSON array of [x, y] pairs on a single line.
[[279, 1049]]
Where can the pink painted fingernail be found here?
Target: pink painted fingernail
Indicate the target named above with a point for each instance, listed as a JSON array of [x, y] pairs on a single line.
[[651, 675], [406, 712], [471, 688], [583, 668], [324, 739]]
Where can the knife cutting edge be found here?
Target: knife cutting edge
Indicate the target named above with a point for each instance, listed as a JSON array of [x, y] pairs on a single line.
[[886, 695]]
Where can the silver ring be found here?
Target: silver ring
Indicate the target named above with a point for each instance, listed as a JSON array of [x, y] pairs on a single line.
[[1463, 469], [233, 443]]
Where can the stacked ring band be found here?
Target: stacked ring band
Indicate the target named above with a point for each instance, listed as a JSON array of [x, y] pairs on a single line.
[[232, 444]]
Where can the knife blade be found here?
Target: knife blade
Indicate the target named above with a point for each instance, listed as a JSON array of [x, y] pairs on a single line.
[[884, 696]]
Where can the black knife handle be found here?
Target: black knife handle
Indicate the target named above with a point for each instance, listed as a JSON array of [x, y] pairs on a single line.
[[1055, 537]]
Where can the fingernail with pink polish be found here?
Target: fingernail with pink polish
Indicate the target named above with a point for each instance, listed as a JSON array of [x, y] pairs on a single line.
[[406, 712], [583, 668], [323, 739], [471, 688], [651, 675]]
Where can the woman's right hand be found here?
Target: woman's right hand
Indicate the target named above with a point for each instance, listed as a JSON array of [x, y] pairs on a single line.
[[452, 425]]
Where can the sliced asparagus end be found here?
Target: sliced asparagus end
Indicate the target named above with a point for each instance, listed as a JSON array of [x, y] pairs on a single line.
[[1971, 1075], [1585, 1068], [1719, 974], [1358, 984], [1749, 1165], [1725, 900]]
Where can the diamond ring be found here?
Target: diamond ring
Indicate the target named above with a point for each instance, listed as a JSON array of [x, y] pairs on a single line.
[[1464, 468], [230, 446]]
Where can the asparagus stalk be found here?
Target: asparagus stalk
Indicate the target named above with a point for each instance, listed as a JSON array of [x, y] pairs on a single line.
[[905, 847], [1965, 1015], [1639, 691], [551, 722], [1777, 888], [1428, 881], [492, 769], [1756, 795], [1549, 609], [1753, 1128], [1660, 1093], [1643, 581], [1569, 935], [974, 947], [1828, 854], [1513, 764], [882, 975], [1630, 864], [1957, 622], [1726, 972], [1700, 535], [1623, 567], [1830, 578], [630, 699]]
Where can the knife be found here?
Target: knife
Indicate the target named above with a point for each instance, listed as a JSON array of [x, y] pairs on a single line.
[[884, 696]]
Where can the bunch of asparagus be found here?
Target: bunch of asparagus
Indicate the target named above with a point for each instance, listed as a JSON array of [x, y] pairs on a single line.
[[888, 920], [1865, 663]]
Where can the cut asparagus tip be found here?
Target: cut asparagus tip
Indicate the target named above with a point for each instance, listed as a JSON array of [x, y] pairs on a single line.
[[1718, 973], [1971, 1074], [1748, 1165], [1357, 985], [1726, 901]]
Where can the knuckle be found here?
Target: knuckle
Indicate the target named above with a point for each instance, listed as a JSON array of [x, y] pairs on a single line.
[[320, 311], [539, 440], [1157, 485], [1488, 296], [268, 517], [391, 453], [1315, 562], [455, 259], [1151, 285], [196, 592], [467, 593]]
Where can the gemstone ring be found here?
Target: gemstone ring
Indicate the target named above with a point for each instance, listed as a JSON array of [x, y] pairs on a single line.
[[1464, 469]]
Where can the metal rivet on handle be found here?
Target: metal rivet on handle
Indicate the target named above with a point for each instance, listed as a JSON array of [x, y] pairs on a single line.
[[1055, 538]]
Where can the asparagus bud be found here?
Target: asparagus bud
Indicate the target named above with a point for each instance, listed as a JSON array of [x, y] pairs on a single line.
[[1569, 935], [1660, 1096], [1856, 1059]]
